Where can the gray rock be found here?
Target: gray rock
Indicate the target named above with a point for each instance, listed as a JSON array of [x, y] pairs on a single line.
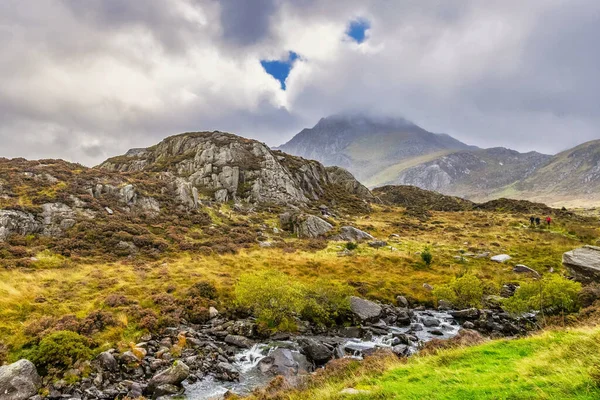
[[377, 244], [365, 310], [18, 222], [284, 362], [19, 381], [520, 268], [401, 301], [166, 390], [583, 263], [317, 352], [239, 341], [401, 350], [466, 314], [430, 321], [500, 258], [352, 234], [105, 361], [173, 375]]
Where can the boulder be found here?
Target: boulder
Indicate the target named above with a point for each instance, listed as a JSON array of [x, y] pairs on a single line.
[[430, 321], [173, 375], [466, 314], [284, 362], [304, 225], [239, 341], [352, 234], [365, 310], [17, 222], [19, 381], [376, 244], [106, 362], [583, 263], [500, 258], [520, 268], [402, 301], [317, 352]]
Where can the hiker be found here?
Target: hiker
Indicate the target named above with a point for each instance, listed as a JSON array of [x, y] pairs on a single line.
[[548, 220], [532, 220], [537, 221]]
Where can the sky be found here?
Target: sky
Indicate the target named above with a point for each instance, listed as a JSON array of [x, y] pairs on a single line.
[[86, 80]]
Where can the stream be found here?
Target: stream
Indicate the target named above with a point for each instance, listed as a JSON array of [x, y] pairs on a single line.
[[247, 361]]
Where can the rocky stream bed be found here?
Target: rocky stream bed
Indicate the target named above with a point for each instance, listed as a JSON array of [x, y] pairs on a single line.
[[228, 356]]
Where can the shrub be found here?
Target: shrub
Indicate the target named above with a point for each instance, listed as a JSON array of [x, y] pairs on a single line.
[[553, 294], [203, 289], [277, 301], [426, 256], [271, 295], [96, 322], [463, 292], [351, 246], [327, 303], [59, 350]]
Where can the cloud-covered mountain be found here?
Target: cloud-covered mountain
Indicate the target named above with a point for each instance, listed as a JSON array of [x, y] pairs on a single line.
[[369, 145], [397, 152]]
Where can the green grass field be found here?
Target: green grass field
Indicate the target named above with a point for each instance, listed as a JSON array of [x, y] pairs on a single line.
[[562, 364]]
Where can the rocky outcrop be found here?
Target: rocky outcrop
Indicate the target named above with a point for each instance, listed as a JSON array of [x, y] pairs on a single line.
[[19, 381], [583, 263], [18, 222], [222, 167], [304, 225], [352, 234]]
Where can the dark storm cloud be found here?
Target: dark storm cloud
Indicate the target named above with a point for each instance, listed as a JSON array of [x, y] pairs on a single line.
[[246, 22], [84, 80]]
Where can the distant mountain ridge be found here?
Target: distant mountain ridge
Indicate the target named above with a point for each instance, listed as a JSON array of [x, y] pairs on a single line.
[[366, 145], [386, 151]]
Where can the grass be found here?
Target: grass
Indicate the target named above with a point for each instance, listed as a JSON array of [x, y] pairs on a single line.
[[56, 286], [560, 364]]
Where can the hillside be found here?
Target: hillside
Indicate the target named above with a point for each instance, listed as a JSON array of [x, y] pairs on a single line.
[[569, 178], [146, 201], [475, 174], [366, 145], [380, 151]]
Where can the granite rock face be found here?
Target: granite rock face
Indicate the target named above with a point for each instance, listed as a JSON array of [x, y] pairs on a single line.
[[223, 167]]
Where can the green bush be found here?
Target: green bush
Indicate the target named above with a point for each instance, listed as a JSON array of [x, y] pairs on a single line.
[[426, 256], [277, 300], [326, 303], [466, 291], [59, 350], [272, 296], [351, 246], [552, 294]]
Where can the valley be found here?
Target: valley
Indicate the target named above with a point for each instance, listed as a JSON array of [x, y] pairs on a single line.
[[208, 265]]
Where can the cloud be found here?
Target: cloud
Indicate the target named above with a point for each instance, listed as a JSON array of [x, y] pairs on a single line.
[[87, 80]]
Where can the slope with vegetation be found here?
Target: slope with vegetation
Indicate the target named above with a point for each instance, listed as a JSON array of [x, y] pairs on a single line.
[[99, 258]]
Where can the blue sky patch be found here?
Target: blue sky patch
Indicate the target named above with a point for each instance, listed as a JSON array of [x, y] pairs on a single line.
[[280, 69], [357, 30]]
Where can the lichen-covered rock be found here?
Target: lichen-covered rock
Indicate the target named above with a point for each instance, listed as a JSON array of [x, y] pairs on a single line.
[[304, 225], [19, 381], [352, 234], [18, 222], [223, 167]]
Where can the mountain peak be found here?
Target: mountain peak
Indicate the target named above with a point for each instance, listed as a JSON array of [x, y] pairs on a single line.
[[365, 144]]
